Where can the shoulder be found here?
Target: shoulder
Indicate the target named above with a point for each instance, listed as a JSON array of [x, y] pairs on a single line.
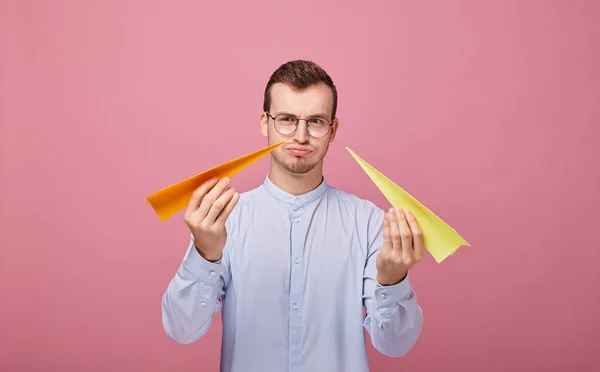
[[240, 213], [366, 215], [250, 196], [246, 202], [360, 205]]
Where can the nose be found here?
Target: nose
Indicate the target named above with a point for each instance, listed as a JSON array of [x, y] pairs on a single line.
[[301, 134]]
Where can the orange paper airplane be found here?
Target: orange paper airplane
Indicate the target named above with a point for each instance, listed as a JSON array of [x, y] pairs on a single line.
[[171, 199]]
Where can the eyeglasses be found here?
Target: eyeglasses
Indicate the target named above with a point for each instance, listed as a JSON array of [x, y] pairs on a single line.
[[287, 124]]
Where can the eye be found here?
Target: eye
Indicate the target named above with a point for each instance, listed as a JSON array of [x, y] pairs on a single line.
[[317, 121], [286, 118]]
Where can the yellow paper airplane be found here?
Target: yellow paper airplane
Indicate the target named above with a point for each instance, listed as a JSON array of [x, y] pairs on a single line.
[[440, 239], [170, 200]]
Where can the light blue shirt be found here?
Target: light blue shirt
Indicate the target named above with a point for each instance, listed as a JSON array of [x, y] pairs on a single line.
[[295, 274]]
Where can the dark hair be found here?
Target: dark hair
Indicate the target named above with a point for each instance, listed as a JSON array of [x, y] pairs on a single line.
[[299, 74]]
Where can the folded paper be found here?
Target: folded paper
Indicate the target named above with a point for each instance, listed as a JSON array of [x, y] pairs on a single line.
[[440, 239], [171, 199]]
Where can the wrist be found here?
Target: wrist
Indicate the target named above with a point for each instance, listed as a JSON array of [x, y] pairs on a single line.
[[210, 257], [391, 281]]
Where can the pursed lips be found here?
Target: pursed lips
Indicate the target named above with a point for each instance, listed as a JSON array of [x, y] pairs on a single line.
[[299, 150]]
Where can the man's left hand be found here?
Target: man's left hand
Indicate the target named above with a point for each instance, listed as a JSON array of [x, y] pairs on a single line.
[[402, 246]]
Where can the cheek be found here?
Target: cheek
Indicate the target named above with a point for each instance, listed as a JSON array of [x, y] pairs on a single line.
[[275, 134], [320, 146]]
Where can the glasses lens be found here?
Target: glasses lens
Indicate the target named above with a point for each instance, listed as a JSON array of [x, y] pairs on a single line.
[[318, 127], [285, 124]]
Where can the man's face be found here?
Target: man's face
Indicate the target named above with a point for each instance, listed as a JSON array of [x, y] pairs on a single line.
[[301, 152]]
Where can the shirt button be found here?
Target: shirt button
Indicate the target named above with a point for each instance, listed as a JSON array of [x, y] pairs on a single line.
[[295, 307], [382, 295], [203, 303], [296, 260], [213, 273], [297, 220]]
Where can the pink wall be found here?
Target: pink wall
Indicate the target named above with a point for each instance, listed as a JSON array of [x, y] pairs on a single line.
[[488, 114]]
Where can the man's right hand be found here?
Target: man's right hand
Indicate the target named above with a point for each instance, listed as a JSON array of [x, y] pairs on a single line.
[[206, 213]]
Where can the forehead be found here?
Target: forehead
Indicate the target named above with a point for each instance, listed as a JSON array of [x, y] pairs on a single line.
[[315, 99]]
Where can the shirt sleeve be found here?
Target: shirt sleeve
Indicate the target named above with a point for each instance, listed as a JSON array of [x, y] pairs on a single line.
[[194, 295], [394, 318]]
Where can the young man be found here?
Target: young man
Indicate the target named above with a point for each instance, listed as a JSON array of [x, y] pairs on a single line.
[[292, 263]]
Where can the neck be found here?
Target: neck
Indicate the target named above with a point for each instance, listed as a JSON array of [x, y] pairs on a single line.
[[295, 184]]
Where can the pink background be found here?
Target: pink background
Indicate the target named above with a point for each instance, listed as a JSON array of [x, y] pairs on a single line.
[[488, 112]]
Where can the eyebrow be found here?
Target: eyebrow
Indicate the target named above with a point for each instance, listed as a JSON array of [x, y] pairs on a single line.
[[319, 114]]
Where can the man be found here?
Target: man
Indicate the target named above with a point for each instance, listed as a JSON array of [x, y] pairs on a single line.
[[292, 262]]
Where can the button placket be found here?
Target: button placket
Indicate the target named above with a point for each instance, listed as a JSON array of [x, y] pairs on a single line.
[[296, 282]]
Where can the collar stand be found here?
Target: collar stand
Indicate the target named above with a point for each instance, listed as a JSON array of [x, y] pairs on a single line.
[[288, 198]]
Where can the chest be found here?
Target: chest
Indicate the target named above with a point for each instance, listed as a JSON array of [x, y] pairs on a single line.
[[299, 249]]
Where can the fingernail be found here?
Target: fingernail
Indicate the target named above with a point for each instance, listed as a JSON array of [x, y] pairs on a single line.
[[225, 180]]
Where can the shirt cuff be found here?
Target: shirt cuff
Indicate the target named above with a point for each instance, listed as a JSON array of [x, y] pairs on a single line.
[[206, 271], [393, 294]]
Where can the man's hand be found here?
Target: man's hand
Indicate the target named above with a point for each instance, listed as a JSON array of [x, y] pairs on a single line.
[[402, 246], [205, 215]]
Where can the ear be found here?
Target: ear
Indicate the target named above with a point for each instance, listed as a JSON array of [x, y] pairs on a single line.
[[334, 129], [264, 124]]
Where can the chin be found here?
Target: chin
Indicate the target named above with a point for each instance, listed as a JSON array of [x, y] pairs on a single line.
[[296, 166], [300, 169]]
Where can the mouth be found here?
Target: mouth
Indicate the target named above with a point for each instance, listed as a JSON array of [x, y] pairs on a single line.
[[298, 151]]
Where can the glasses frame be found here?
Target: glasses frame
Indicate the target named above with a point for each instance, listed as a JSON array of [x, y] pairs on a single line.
[[298, 122]]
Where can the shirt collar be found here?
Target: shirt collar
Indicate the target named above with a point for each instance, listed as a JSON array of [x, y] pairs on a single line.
[[288, 198]]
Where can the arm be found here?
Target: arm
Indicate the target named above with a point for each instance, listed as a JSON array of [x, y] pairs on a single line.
[[394, 319], [193, 296]]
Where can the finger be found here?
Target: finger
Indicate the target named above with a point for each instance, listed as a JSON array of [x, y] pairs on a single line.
[[210, 198], [396, 243], [218, 205], [418, 242], [405, 235], [387, 233], [197, 195], [227, 210]]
